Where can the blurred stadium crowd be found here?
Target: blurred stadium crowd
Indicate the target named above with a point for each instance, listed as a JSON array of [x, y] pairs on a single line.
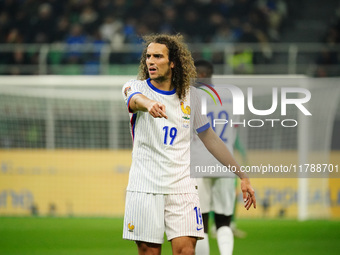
[[123, 21], [118, 23], [328, 56]]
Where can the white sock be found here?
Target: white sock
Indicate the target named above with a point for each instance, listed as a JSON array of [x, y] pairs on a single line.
[[202, 246], [225, 240]]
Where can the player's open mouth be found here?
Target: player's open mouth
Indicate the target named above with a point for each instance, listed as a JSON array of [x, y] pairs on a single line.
[[152, 70]]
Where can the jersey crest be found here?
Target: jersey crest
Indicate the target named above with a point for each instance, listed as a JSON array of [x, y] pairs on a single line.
[[186, 111], [186, 114]]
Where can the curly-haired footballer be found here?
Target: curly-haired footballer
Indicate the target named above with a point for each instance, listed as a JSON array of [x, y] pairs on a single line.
[[161, 197]]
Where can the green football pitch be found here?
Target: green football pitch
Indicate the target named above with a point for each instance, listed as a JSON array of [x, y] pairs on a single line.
[[101, 236]]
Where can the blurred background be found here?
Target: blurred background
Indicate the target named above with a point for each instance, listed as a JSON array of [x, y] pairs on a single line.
[[65, 143], [103, 37]]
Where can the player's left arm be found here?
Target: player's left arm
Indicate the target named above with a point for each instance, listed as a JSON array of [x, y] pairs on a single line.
[[220, 151]]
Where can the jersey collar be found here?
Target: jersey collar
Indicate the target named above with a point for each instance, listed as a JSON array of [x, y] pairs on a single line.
[[164, 92]]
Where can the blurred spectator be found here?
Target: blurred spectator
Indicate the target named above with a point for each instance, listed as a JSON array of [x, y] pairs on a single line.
[[191, 26], [332, 35], [75, 44], [89, 19], [248, 34], [242, 61], [130, 29], [327, 57], [223, 7], [241, 8], [62, 29], [251, 35], [22, 22], [135, 38], [10, 6], [43, 25], [14, 36], [258, 19], [327, 64], [17, 62], [112, 31], [92, 58], [120, 7], [236, 27], [170, 20], [135, 10], [276, 12], [152, 18], [216, 22], [223, 35], [105, 8], [4, 26]]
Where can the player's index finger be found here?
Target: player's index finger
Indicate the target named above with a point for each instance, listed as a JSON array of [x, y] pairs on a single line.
[[163, 114]]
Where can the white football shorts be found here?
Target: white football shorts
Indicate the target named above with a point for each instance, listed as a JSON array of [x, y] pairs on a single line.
[[217, 194], [148, 216]]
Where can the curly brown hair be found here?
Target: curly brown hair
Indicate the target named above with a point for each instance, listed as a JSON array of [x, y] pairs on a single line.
[[179, 54]]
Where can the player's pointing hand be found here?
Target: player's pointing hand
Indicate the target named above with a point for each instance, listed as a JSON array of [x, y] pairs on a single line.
[[157, 110]]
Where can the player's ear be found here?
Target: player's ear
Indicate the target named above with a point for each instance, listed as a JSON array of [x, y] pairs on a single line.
[[172, 64]]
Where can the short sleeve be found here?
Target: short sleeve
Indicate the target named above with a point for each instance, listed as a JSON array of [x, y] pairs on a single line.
[[130, 89], [200, 122]]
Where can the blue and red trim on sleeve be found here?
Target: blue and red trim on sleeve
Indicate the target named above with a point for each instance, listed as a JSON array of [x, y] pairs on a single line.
[[128, 101], [133, 124]]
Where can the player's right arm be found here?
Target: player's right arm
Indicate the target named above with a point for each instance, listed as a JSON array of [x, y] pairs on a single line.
[[139, 102], [136, 101]]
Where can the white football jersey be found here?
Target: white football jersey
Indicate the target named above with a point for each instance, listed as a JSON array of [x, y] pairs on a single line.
[[161, 147]]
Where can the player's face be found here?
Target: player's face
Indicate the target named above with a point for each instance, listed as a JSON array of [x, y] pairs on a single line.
[[157, 61]]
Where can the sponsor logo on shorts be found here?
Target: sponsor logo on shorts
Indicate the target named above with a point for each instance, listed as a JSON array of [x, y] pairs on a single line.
[[199, 219]]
